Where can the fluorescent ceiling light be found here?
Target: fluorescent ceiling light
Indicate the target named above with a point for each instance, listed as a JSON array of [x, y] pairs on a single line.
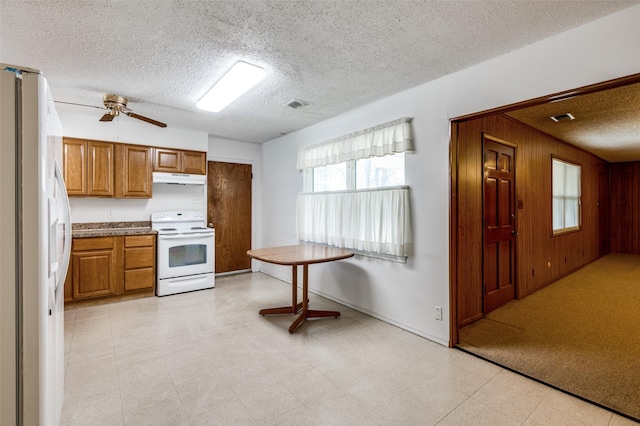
[[240, 78]]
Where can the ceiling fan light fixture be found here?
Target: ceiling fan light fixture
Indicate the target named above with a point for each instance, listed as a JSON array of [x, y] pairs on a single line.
[[237, 81]]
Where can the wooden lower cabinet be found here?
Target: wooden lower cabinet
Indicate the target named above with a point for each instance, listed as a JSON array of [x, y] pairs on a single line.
[[94, 264], [111, 267], [139, 262]]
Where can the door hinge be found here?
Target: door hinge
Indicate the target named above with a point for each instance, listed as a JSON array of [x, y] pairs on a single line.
[[251, 175]]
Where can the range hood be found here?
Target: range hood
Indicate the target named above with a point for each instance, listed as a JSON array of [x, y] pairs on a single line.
[[179, 178]]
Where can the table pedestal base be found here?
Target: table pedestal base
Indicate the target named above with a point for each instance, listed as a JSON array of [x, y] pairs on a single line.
[[311, 314], [282, 310], [297, 307]]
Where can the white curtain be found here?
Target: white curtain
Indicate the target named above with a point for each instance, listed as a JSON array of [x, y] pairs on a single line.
[[384, 139], [373, 220]]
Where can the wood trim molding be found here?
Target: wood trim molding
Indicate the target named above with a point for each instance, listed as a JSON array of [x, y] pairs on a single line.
[[500, 141], [454, 327], [584, 90]]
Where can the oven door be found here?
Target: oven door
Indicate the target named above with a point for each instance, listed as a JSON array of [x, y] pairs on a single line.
[[185, 254]]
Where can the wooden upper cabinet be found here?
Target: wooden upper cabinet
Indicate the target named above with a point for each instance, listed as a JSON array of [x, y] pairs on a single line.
[[74, 164], [107, 169], [178, 161], [133, 171], [194, 162], [100, 180], [167, 160], [88, 167]]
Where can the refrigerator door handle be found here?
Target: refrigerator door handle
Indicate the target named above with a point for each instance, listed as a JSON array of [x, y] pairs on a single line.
[[66, 253]]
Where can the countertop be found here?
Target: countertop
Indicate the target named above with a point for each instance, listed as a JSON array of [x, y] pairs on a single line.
[[110, 229]]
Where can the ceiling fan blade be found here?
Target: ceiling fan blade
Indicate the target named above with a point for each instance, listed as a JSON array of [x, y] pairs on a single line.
[[74, 103], [107, 117], [148, 120]]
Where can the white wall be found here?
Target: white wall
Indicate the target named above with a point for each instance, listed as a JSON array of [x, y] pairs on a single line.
[[405, 295], [79, 124]]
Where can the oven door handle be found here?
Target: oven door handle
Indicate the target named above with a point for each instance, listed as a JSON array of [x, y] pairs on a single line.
[[184, 237]]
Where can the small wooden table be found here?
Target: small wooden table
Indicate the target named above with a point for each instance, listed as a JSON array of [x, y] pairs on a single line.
[[304, 255]]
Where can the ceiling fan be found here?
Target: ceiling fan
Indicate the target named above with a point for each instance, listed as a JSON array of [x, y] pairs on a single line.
[[116, 104]]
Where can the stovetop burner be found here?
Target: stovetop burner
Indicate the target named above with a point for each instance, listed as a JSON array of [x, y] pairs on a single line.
[[180, 222]]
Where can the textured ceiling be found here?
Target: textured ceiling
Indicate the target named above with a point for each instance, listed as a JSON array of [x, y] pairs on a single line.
[[607, 123], [164, 55]]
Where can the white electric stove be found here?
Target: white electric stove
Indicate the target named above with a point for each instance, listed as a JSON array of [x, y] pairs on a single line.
[[185, 252]]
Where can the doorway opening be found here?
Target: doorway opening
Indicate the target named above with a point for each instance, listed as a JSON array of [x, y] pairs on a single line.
[[541, 258]]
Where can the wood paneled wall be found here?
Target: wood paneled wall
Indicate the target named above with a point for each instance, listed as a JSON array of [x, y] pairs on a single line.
[[625, 207], [541, 258]]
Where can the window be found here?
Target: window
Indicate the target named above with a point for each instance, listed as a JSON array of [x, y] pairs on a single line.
[[353, 192], [365, 173], [566, 196], [329, 178]]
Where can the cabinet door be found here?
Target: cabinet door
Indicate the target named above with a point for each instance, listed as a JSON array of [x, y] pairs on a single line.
[[93, 274], [167, 160], [133, 171], [194, 162], [100, 167], [74, 162]]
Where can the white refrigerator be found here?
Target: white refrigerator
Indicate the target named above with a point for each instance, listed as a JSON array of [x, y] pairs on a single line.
[[35, 243]]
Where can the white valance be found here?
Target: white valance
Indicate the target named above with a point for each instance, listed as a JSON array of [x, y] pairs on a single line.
[[384, 139], [372, 220]]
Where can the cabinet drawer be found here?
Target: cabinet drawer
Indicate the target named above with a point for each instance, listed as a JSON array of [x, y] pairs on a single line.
[[98, 243], [139, 279], [141, 257], [139, 240]]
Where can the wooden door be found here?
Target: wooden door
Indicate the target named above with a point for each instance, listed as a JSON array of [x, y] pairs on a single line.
[[499, 224], [229, 210]]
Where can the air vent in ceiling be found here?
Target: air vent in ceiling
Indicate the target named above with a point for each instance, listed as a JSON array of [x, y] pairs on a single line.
[[562, 117], [297, 104]]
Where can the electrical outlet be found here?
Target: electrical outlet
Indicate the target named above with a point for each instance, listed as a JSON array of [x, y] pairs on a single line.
[[438, 313], [197, 200], [109, 213]]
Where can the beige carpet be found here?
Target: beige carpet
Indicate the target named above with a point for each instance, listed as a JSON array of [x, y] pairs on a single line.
[[580, 334]]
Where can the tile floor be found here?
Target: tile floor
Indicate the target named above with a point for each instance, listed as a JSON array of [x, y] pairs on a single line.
[[208, 358]]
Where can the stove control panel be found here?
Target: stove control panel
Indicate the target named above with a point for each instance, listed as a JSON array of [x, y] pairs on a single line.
[[177, 216]]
